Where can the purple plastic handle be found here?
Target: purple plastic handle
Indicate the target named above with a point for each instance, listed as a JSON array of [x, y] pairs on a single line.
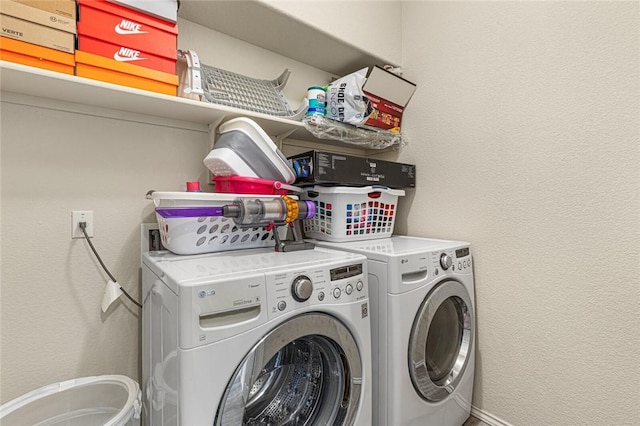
[[174, 212], [311, 209], [177, 212]]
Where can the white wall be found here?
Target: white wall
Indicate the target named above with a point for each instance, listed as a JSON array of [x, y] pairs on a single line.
[[525, 127], [54, 162]]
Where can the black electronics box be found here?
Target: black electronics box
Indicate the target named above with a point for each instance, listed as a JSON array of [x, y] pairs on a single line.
[[324, 168]]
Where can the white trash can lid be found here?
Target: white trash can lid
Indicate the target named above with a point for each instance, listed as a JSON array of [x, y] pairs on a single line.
[[98, 400]]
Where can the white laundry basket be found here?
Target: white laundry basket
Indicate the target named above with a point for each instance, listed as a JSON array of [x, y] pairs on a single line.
[[89, 401], [187, 225], [346, 213]]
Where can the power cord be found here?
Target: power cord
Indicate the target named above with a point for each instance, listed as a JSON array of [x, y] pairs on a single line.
[[83, 226]]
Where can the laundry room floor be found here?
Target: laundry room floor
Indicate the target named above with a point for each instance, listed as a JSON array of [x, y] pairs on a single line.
[[472, 421]]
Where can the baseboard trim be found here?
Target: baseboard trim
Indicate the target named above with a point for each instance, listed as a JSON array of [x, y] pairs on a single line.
[[488, 418]]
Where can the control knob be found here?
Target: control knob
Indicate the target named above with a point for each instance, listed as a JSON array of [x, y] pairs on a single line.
[[302, 288], [445, 261]]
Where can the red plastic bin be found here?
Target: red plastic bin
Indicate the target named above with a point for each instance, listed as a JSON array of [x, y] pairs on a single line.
[[250, 185]]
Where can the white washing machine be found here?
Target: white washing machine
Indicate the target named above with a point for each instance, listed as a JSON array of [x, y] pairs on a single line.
[[256, 337], [423, 329]]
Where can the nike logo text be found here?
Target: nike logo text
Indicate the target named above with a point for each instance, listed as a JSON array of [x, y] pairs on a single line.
[[128, 27], [125, 55]]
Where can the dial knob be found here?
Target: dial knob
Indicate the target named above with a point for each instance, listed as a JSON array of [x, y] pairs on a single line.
[[445, 261], [301, 288]]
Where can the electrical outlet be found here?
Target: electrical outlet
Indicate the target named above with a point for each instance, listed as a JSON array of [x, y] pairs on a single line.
[[78, 216], [150, 238]]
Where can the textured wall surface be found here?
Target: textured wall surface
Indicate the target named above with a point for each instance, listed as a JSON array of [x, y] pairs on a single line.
[[52, 328], [525, 128]]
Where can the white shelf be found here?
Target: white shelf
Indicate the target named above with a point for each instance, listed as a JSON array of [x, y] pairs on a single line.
[[261, 25], [34, 86], [35, 82]]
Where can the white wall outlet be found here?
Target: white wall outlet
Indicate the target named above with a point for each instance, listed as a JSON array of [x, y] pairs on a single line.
[[78, 216]]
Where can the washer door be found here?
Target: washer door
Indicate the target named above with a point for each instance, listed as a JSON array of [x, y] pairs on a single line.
[[441, 341], [307, 371]]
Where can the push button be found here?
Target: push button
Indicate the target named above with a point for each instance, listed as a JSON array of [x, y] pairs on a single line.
[[337, 292], [359, 285], [282, 305], [348, 289]]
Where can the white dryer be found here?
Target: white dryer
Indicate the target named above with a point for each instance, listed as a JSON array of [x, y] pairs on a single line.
[[423, 329], [256, 337]]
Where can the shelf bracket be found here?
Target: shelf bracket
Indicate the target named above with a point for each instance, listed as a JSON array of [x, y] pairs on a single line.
[[281, 137]]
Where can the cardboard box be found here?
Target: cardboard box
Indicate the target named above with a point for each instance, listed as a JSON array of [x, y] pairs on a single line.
[[64, 8], [389, 95], [163, 9], [24, 10], [128, 28], [29, 32], [36, 56], [125, 54], [100, 68], [321, 168]]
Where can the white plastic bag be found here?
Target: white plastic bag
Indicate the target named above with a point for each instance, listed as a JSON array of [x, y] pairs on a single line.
[[346, 102]]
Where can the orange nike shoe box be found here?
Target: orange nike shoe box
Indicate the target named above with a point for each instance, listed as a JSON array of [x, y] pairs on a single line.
[[126, 54], [127, 28], [33, 55], [108, 70]]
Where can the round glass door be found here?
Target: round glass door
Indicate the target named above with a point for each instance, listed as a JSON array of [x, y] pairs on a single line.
[[441, 341], [307, 371]]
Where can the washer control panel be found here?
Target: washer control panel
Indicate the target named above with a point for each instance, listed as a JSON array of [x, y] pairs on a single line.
[[294, 289], [451, 261], [462, 260]]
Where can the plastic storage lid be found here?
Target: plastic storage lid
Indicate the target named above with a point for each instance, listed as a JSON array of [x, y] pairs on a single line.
[[256, 157], [97, 400], [353, 190]]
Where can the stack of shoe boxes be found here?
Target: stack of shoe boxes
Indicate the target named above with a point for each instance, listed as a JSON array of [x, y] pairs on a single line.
[[39, 33], [131, 47]]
